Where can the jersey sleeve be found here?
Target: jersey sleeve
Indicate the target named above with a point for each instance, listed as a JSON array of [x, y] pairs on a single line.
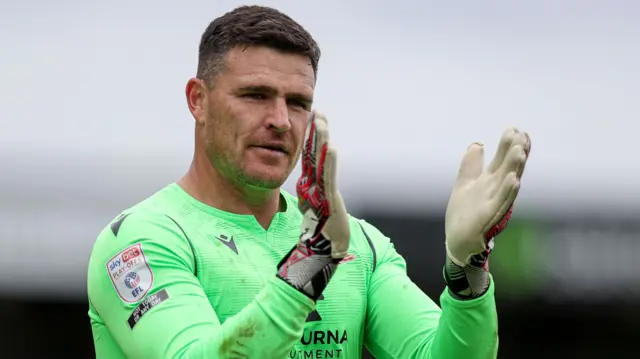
[[403, 322], [141, 283]]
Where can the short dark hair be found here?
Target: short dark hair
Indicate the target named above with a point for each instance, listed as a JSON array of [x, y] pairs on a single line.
[[252, 26]]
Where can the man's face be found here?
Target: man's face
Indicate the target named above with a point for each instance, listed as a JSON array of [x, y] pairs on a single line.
[[255, 115]]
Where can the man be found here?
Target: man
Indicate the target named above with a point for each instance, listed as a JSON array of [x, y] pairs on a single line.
[[224, 264]]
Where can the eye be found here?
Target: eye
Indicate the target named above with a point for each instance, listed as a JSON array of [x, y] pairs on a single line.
[[255, 96], [298, 103]]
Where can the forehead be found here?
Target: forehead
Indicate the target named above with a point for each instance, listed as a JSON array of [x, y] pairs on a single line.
[[262, 66]]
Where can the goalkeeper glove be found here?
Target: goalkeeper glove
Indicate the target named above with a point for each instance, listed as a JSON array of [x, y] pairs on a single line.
[[325, 228], [479, 209]]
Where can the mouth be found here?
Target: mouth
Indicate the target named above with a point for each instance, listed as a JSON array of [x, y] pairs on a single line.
[[274, 148]]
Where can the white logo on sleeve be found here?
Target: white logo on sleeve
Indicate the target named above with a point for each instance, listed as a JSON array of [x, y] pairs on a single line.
[[130, 274]]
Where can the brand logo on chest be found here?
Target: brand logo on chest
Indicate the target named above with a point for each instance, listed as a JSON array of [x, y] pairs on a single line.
[[226, 240]]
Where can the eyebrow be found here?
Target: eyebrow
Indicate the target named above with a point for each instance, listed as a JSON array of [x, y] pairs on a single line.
[[271, 91]]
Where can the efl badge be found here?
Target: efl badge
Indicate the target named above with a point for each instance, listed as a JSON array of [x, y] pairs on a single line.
[[130, 274]]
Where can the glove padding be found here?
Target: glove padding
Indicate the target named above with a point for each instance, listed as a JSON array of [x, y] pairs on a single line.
[[481, 202], [318, 198], [325, 234]]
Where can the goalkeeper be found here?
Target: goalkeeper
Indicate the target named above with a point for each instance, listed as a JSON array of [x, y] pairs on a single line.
[[224, 264]]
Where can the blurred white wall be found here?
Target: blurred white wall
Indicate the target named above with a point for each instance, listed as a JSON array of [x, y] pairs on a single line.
[[93, 116]]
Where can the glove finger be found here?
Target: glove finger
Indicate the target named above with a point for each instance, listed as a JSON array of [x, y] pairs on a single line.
[[337, 227], [504, 198], [472, 163], [503, 148], [527, 146], [527, 150], [514, 162], [320, 149], [329, 175], [516, 156], [308, 145]]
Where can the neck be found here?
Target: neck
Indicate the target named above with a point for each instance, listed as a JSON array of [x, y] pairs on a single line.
[[207, 185]]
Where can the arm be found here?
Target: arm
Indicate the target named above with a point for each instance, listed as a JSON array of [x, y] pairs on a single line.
[[403, 322], [176, 319], [479, 208]]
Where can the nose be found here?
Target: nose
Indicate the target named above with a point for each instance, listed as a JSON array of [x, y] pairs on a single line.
[[278, 119]]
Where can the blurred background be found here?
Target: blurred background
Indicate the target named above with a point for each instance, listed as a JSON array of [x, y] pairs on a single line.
[[93, 119]]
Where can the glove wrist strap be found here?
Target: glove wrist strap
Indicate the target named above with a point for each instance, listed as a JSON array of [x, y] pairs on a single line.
[[469, 281], [309, 266]]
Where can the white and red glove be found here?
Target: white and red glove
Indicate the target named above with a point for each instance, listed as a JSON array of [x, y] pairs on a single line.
[[325, 234], [479, 209]]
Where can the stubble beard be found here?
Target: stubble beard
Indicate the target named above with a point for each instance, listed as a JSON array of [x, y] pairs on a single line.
[[236, 171]]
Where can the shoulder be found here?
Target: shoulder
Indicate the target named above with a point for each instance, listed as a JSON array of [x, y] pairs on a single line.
[[137, 228], [369, 240], [152, 213], [146, 229], [367, 230], [132, 250], [363, 230], [141, 217]]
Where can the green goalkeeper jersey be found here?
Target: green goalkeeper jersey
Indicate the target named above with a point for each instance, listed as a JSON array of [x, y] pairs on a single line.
[[174, 278]]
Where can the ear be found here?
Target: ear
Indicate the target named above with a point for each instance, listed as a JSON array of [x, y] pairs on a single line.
[[196, 92]]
